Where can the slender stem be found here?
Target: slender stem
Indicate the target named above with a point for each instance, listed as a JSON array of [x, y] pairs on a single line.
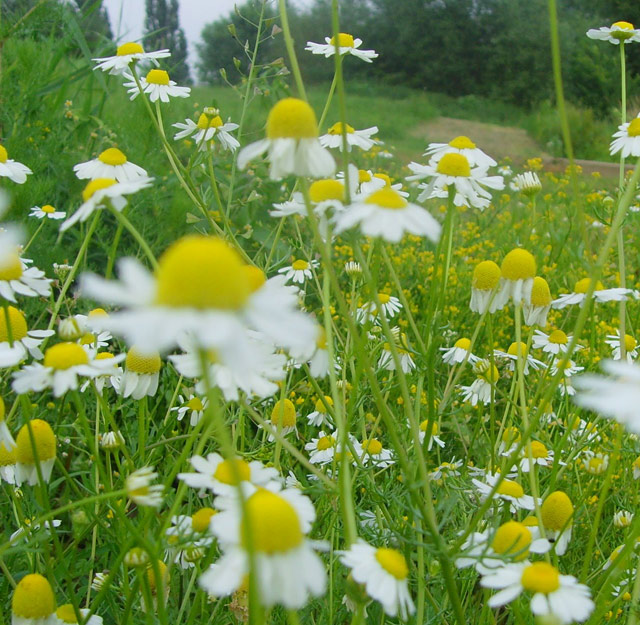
[[133, 231], [288, 42]]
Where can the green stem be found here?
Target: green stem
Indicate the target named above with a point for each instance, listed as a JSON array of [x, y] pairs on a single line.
[[288, 42]]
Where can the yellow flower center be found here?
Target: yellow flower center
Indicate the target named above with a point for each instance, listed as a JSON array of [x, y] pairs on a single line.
[[321, 341], [151, 576], [518, 264], [322, 190], [4, 155], [202, 272], [454, 164], [321, 404], [255, 276], [393, 562], [530, 521], [200, 520], [623, 25], [17, 325], [292, 118], [629, 343], [336, 129], [47, 208], [624, 33], [345, 40], [538, 450], [558, 337], [634, 127], [272, 522], [97, 185], [489, 373], [434, 428], [384, 298], [511, 489], [207, 121], [2, 408], [33, 598], [517, 349], [512, 537], [283, 414], [300, 265], [363, 176], [65, 355], [44, 441], [486, 276], [195, 403], [511, 435], [383, 177], [540, 293], [112, 156], [158, 77], [556, 511], [463, 344], [594, 464], [372, 446], [66, 613], [12, 270], [387, 198], [232, 472], [326, 442], [582, 286], [7, 457], [462, 143], [540, 577], [130, 48], [144, 364]]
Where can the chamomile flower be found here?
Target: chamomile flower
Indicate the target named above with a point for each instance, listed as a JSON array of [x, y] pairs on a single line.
[[157, 85], [509, 440], [600, 294], [320, 416], [111, 440], [536, 311], [454, 171], [617, 33], [207, 130], [460, 352], [386, 214], [7, 463], [319, 361], [485, 285], [556, 342], [111, 164], [324, 195], [555, 596], [445, 470], [516, 352], [368, 181], [359, 138], [568, 369], [480, 388], [627, 139], [278, 524], [509, 491], [35, 436], [460, 145], [18, 278], [369, 311], [59, 371], [47, 212], [630, 346], [376, 454], [594, 463], [347, 44], [434, 437], [16, 172], [141, 490], [33, 601], [322, 449], [283, 417], [66, 615], [16, 340], [103, 192], [636, 468], [527, 183], [140, 376], [188, 537], [126, 54], [385, 574], [540, 456], [518, 272], [292, 143], [299, 271], [622, 519], [557, 517], [387, 361], [193, 405]]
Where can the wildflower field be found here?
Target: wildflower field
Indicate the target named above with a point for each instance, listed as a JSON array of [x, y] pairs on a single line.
[[257, 365]]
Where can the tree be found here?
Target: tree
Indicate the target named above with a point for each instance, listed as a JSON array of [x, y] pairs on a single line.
[[162, 30]]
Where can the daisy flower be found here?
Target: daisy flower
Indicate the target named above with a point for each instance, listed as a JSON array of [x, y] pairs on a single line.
[[16, 172], [37, 436], [453, 170], [369, 312], [445, 470], [600, 295], [540, 455], [555, 596], [319, 361], [627, 139], [460, 352], [636, 468], [386, 214], [536, 311], [485, 285], [283, 418], [111, 164], [299, 271], [192, 405], [480, 388], [324, 195], [622, 519], [140, 376], [367, 182], [435, 430], [557, 517], [385, 574], [527, 183], [17, 278], [509, 440], [33, 601], [630, 346], [346, 45], [66, 615], [460, 145], [111, 440], [141, 490], [556, 342], [157, 85], [322, 449], [102, 192], [376, 454], [5, 434], [207, 130], [320, 416], [518, 272], [595, 463], [386, 360], [16, 340], [359, 138], [59, 371], [569, 369], [292, 143], [7, 463], [47, 211], [278, 524], [126, 54], [188, 537], [617, 33], [509, 491], [515, 352]]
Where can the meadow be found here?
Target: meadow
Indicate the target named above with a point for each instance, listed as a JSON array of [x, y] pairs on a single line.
[[274, 380]]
